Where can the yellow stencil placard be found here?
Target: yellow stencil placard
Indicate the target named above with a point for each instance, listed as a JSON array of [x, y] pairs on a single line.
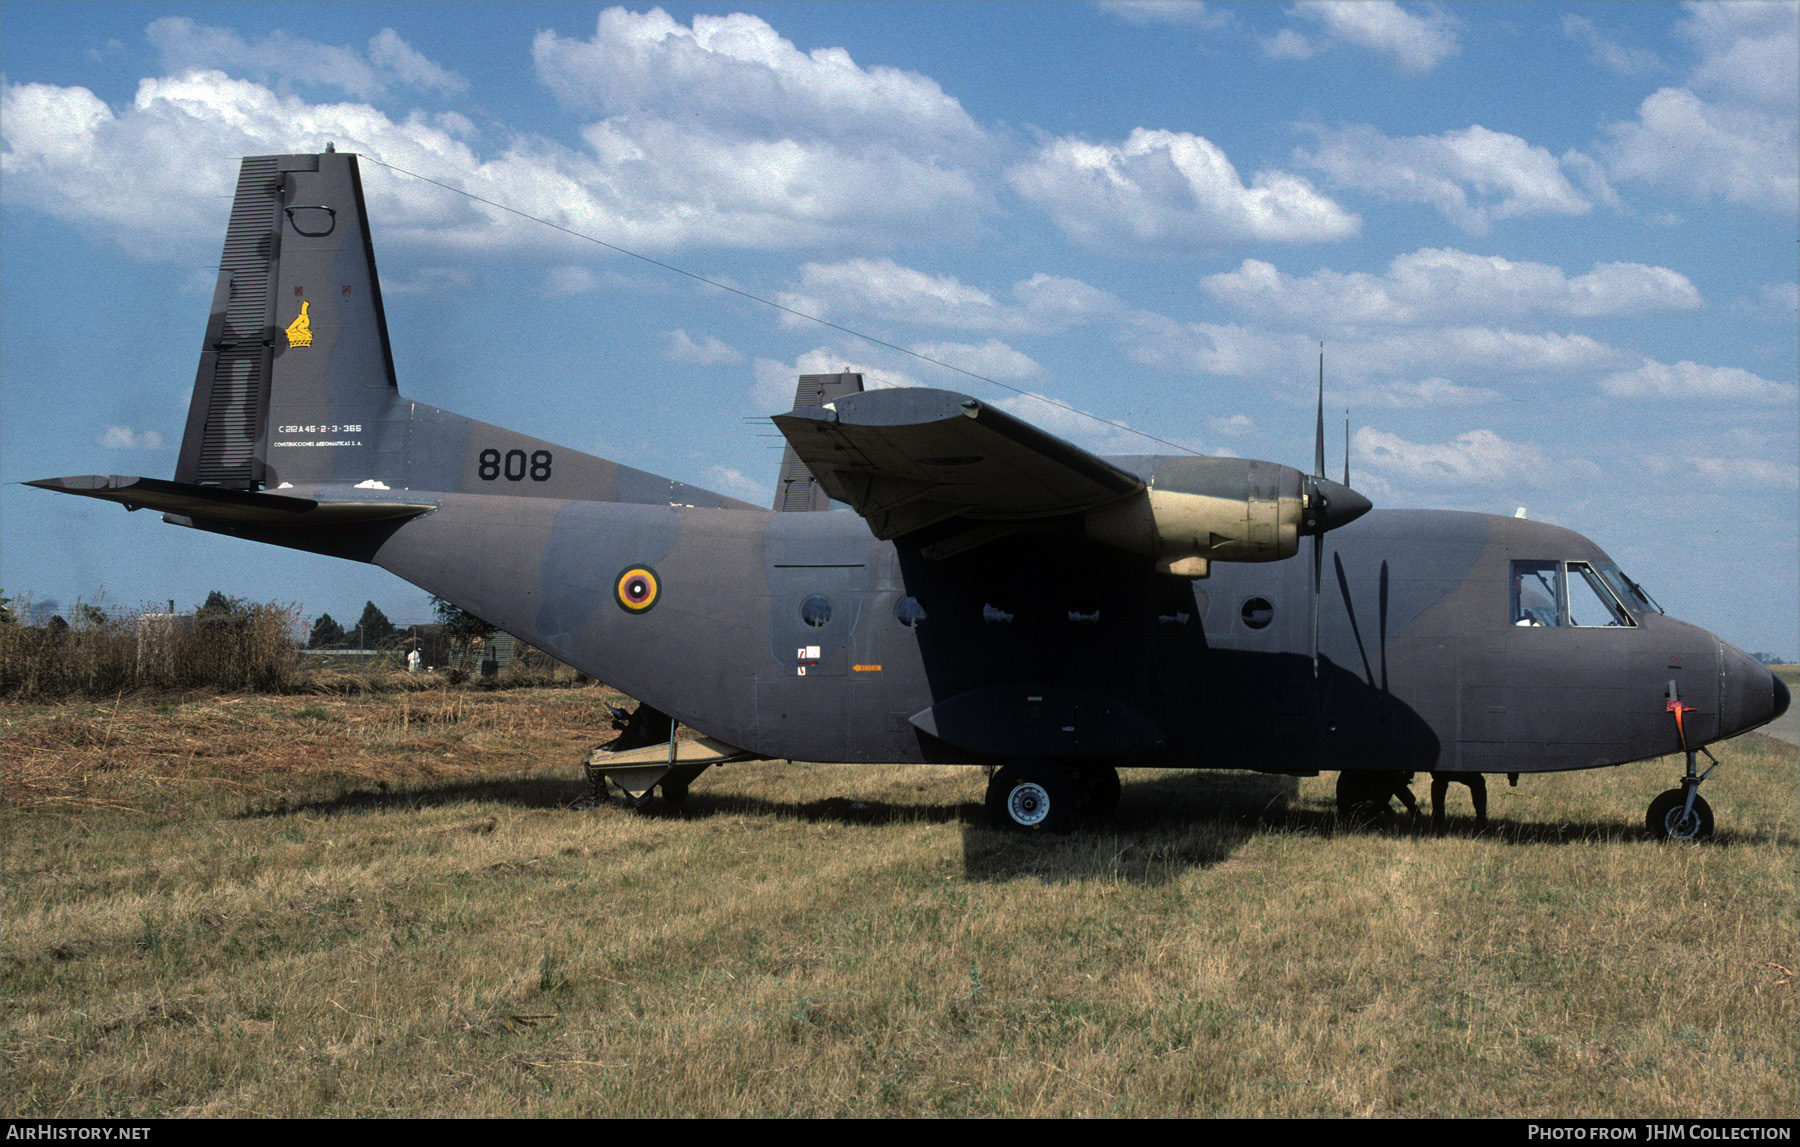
[[299, 332]]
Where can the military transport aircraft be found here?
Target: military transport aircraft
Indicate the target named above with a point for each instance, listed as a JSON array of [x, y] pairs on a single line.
[[999, 597]]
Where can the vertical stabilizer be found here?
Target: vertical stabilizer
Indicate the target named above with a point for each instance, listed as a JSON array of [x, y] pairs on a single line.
[[296, 381], [797, 489]]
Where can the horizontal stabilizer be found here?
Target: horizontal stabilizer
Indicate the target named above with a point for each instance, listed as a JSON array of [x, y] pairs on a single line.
[[907, 458], [218, 504]]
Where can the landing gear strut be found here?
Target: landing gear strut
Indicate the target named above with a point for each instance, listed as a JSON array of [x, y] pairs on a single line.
[[1683, 814]]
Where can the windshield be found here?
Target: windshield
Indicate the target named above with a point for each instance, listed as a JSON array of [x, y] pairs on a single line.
[[1630, 592]]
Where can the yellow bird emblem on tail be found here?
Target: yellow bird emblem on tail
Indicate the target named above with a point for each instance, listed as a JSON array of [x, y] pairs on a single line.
[[299, 332]]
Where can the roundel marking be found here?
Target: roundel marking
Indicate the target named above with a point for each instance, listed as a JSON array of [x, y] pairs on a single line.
[[637, 589]]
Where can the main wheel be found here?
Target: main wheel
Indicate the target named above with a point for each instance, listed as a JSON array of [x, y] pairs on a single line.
[[1031, 796], [1669, 819], [1363, 799]]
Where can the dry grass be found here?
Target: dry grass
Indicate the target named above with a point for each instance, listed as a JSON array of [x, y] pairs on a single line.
[[380, 904]]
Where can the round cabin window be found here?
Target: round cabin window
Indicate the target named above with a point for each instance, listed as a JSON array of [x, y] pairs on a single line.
[[816, 611], [1257, 612]]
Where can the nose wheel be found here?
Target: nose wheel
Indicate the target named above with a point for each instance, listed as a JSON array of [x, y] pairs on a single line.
[[1683, 814], [1671, 817]]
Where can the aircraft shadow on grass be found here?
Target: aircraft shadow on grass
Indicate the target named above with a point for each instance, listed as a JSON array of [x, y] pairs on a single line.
[[1165, 824]]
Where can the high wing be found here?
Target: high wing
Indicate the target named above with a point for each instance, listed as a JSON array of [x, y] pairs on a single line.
[[909, 458]]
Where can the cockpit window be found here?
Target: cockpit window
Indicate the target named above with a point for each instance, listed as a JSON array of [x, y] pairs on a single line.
[[1590, 602], [1536, 593], [1547, 593], [1627, 591]]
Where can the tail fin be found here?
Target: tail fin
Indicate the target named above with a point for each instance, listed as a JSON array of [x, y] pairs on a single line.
[[296, 355], [296, 383], [797, 489]]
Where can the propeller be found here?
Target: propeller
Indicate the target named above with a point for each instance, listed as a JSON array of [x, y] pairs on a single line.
[[1316, 509], [1328, 504]]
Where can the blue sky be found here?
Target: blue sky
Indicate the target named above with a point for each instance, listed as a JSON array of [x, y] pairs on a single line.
[[1550, 248]]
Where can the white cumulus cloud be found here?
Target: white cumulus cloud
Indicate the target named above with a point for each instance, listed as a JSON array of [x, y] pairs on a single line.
[[1624, 59], [726, 117], [279, 56], [1471, 457], [768, 149], [1443, 284], [710, 351], [1472, 176], [775, 381], [738, 75], [1245, 351], [991, 359], [1164, 191], [1189, 13], [182, 138], [1427, 392], [1412, 40], [125, 438], [884, 290], [1732, 131], [1088, 431], [1690, 380], [1739, 474]]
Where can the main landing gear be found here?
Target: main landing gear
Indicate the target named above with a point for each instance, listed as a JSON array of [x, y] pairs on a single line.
[[1364, 796], [1683, 814], [1045, 796]]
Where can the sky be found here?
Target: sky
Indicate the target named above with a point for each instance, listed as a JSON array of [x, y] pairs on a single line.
[[1550, 249]]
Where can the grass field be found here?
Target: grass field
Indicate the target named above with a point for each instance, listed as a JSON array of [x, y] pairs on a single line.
[[375, 905]]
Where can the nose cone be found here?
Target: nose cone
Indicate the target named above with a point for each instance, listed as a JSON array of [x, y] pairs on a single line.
[[1342, 505], [1749, 695]]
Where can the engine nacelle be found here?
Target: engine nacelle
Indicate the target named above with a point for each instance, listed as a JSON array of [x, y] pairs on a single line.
[[1201, 510]]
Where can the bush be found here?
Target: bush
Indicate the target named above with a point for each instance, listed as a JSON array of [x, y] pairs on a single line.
[[227, 644]]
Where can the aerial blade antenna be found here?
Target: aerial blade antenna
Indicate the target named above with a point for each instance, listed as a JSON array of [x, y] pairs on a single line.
[[1346, 445]]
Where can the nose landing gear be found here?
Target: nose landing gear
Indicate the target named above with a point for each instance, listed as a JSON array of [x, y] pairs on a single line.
[[1683, 814]]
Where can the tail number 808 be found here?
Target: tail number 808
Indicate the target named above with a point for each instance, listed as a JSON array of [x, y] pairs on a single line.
[[515, 465]]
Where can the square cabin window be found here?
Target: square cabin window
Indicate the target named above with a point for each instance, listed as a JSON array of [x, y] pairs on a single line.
[[1537, 596]]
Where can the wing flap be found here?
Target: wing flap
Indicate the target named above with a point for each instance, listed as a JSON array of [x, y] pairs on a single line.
[[912, 457]]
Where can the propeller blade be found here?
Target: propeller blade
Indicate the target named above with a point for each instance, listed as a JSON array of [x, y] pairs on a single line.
[[1318, 548], [1319, 437], [1316, 507]]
